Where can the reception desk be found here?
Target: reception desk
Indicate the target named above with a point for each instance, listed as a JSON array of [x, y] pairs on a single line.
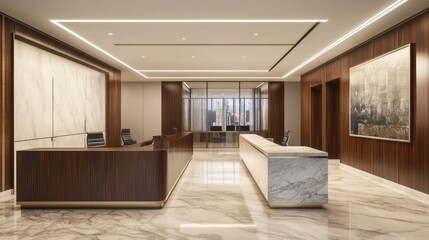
[[102, 177], [286, 176]]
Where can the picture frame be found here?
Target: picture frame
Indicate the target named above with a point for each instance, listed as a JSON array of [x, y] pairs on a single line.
[[380, 97]]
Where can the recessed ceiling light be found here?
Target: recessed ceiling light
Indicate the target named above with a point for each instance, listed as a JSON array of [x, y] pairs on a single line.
[[183, 38], [110, 34], [192, 56], [256, 34], [244, 56], [368, 22], [143, 56]]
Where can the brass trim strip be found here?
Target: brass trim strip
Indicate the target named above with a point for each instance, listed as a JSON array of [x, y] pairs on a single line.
[[296, 205], [91, 204], [3, 107]]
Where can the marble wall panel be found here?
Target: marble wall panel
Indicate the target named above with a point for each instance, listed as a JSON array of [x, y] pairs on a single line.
[[32, 92], [95, 101], [73, 141], [69, 96]]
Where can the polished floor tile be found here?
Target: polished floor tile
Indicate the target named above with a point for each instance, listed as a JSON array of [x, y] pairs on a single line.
[[217, 199]]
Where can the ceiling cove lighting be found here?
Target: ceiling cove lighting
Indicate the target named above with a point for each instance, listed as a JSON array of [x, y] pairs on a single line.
[[368, 22], [189, 71], [96, 47], [192, 21], [58, 22]]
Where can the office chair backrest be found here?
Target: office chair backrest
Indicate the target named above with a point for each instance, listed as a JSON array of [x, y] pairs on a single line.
[[95, 139], [286, 138], [126, 137]]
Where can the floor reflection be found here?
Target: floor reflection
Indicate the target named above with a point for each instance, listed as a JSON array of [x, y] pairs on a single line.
[[217, 199]]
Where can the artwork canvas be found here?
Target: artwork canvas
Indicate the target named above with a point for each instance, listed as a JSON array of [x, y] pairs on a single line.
[[380, 97]]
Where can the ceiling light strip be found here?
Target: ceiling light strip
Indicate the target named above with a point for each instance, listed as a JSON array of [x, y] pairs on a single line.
[[191, 20], [348, 35], [216, 78], [96, 47], [189, 71]]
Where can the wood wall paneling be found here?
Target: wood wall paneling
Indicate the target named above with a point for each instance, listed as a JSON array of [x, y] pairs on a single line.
[[9, 28], [171, 103], [276, 111], [333, 141], [316, 117], [305, 112], [2, 158], [113, 111], [7, 106], [404, 163]]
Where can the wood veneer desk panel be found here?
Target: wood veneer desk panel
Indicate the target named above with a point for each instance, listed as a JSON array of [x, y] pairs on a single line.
[[102, 177]]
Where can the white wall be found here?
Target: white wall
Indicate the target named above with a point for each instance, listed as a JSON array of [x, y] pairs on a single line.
[[141, 109], [293, 111]]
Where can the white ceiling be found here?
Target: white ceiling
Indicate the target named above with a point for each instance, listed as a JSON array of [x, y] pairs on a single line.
[[214, 46]]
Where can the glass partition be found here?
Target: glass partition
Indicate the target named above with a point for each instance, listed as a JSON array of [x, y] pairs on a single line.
[[217, 112]]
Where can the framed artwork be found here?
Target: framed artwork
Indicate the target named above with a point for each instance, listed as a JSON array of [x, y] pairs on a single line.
[[380, 97]]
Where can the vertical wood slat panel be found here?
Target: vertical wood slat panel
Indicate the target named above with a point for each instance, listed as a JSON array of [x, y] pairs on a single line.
[[171, 104], [7, 105], [404, 163], [2, 150], [305, 111], [276, 111]]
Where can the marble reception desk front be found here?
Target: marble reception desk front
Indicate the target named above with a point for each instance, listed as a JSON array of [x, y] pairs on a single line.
[[286, 176]]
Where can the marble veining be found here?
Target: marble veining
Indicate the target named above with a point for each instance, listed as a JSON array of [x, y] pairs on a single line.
[[70, 141], [217, 199], [296, 181], [32, 92], [95, 101], [288, 177], [69, 96]]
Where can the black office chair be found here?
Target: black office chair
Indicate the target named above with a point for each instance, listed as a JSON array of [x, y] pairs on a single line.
[[95, 139], [126, 137], [286, 137]]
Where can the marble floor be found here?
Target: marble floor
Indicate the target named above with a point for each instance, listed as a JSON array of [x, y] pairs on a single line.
[[217, 199]]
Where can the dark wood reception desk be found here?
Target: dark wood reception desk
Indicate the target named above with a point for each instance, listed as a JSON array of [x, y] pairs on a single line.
[[102, 177]]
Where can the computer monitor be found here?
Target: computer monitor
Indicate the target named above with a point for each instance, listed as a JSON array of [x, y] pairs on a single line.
[[245, 128], [215, 128], [230, 128]]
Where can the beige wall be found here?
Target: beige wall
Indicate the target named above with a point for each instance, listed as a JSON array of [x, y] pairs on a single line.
[[293, 111], [132, 108], [141, 109], [152, 109]]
